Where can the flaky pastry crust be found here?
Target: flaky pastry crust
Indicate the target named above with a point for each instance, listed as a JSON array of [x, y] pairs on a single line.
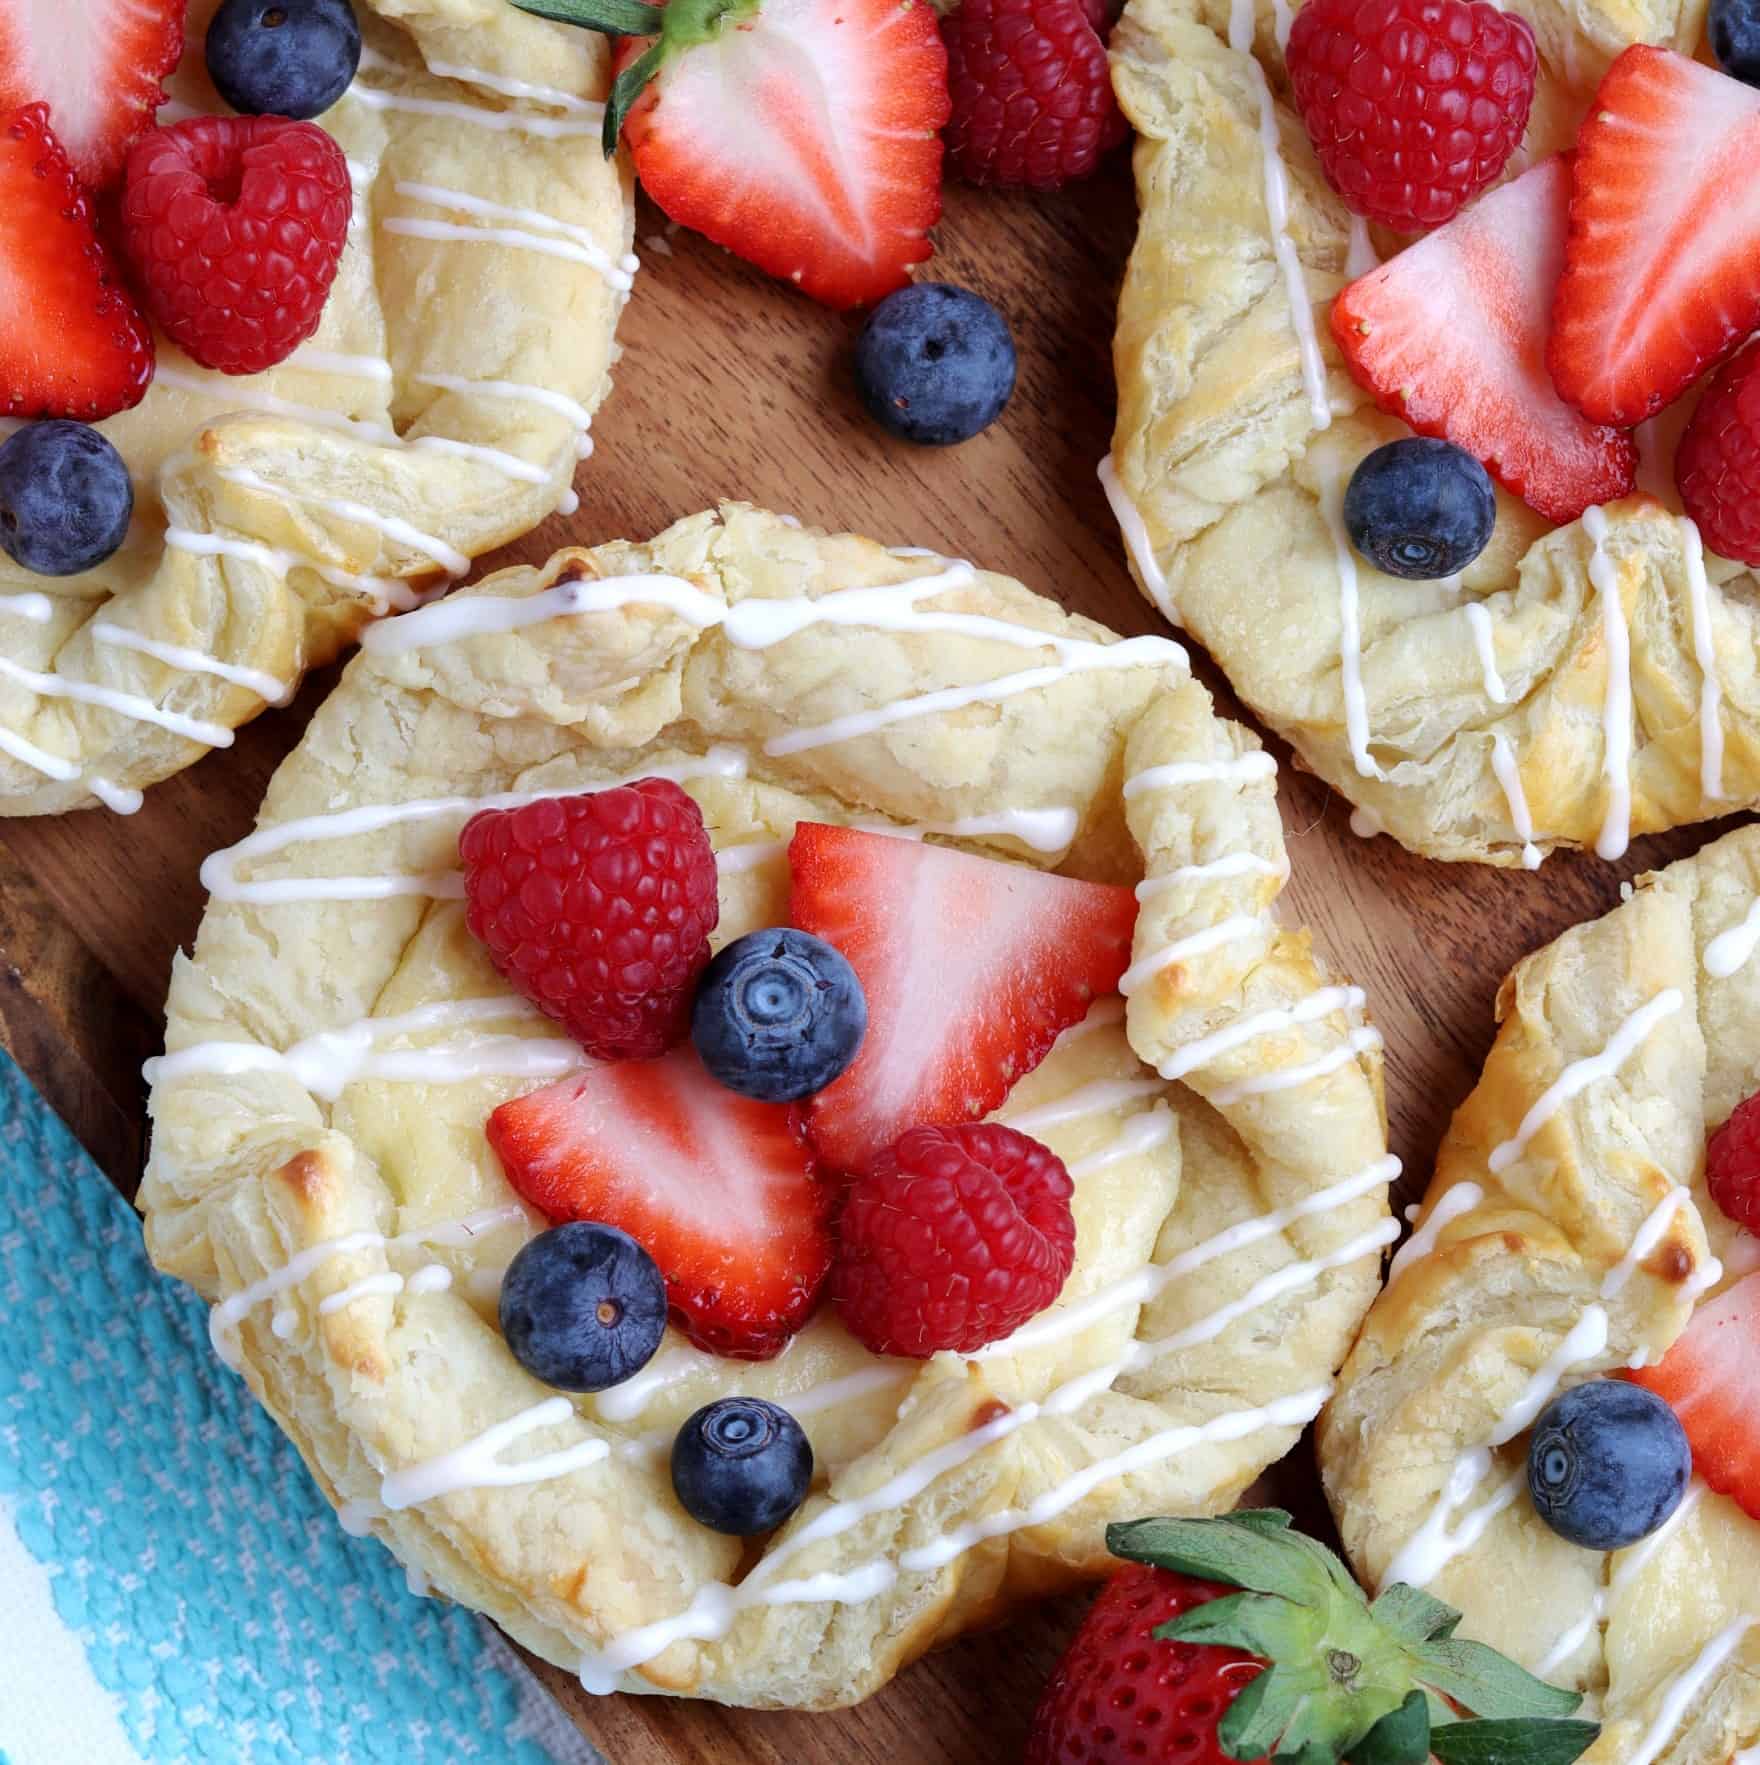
[[439, 412], [1231, 1215]]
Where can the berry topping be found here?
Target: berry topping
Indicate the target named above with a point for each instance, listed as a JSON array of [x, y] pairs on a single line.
[[1732, 1165], [1122, 1696], [972, 969], [1031, 90], [583, 1307], [717, 1188], [99, 65], [283, 57], [73, 344], [1420, 508], [1299, 1664], [1735, 38], [598, 908], [778, 1016], [65, 498], [954, 1238], [1711, 1377], [234, 227], [1659, 280], [1607, 1464], [1413, 106], [741, 1466], [803, 135], [1717, 467], [935, 364], [1451, 335]]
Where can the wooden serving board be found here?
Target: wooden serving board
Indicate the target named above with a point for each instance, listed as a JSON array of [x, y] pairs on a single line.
[[733, 387]]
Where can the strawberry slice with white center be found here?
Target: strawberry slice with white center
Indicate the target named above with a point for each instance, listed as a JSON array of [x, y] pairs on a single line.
[[1451, 335], [1711, 1378], [718, 1189], [99, 65], [972, 969], [1662, 267], [804, 135]]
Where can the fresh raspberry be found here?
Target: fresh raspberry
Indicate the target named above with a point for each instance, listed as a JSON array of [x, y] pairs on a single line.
[[1717, 466], [1732, 1165], [1413, 106], [1121, 1696], [955, 1237], [599, 909], [235, 226], [1032, 93]]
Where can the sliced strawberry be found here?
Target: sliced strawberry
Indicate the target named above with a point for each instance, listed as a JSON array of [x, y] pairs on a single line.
[[73, 344], [1660, 279], [804, 135], [719, 1190], [99, 65], [972, 968], [1451, 335], [1711, 1377]]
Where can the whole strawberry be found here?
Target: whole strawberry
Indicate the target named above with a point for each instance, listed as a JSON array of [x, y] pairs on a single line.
[[955, 1238], [598, 908], [1413, 106], [235, 226], [1717, 469], [1031, 90], [1239, 1638], [1119, 1696], [1732, 1162]]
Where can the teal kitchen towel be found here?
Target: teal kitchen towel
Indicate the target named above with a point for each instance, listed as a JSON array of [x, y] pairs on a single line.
[[172, 1585]]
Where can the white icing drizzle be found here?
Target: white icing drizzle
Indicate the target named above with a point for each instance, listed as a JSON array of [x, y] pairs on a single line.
[[549, 128], [1084, 1100], [348, 367], [712, 1611], [1365, 823], [1135, 532], [37, 608], [477, 1463], [130, 705], [1433, 1546], [1320, 1003], [1236, 929], [1480, 623], [1730, 951], [1235, 769], [1581, 1074], [518, 391], [239, 395], [1616, 712], [224, 1319], [1230, 864], [1301, 312], [1103, 1014], [448, 557], [500, 84], [1686, 1686], [265, 686], [1044, 830], [1649, 1235], [1363, 1039], [1140, 1134], [369, 1287], [1453, 1203], [1362, 257], [382, 592], [1509, 777], [528, 229], [1705, 654], [1350, 628]]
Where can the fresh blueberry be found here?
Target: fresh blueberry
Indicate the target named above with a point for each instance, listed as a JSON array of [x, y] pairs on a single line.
[[779, 1015], [1420, 508], [935, 364], [283, 57], [583, 1307], [1607, 1464], [741, 1466], [65, 498], [1735, 38]]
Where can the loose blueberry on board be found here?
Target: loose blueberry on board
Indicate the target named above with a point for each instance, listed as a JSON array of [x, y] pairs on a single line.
[[935, 364], [741, 1466], [583, 1307], [65, 498], [779, 1015], [1420, 508], [1735, 38], [283, 57], [1608, 1463]]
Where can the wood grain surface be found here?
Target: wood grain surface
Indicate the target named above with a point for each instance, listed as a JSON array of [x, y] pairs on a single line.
[[732, 387]]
